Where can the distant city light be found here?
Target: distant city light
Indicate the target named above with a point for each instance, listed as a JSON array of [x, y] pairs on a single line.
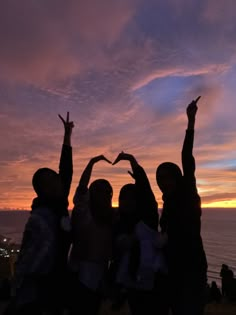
[[8, 249]]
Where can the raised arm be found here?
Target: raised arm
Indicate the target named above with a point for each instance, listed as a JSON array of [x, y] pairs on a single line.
[[188, 161], [66, 164], [86, 175], [145, 198], [127, 157]]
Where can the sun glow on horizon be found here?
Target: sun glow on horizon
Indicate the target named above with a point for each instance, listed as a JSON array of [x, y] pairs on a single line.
[[25, 205], [220, 204], [115, 204]]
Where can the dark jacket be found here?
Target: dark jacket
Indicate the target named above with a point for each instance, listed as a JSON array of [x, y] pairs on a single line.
[[42, 260]]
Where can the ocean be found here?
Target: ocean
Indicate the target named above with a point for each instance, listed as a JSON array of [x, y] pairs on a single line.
[[218, 234], [219, 238]]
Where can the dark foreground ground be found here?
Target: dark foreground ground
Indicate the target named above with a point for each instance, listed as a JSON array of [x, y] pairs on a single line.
[[212, 309]]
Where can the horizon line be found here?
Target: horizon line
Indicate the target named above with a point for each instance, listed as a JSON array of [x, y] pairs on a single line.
[[115, 207]]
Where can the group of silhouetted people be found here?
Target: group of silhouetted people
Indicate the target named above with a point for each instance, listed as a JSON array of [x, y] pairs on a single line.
[[157, 263], [227, 292]]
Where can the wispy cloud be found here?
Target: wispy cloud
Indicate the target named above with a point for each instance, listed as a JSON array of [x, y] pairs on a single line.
[[126, 71]]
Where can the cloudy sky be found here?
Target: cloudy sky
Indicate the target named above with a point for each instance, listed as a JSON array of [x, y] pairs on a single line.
[[125, 70]]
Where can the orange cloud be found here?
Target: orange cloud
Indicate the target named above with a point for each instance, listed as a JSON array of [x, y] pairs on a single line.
[[99, 56]]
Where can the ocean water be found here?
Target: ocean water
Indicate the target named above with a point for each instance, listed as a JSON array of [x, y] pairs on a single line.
[[219, 237], [218, 234]]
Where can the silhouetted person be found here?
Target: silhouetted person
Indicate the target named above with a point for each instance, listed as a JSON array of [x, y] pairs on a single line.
[[215, 294], [228, 283], [40, 269], [92, 218], [227, 276], [223, 275], [181, 219], [141, 268]]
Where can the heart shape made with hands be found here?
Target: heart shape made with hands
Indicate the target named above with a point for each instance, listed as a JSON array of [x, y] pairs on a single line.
[[121, 157]]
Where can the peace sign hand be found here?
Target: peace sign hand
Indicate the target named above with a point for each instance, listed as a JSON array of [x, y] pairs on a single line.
[[68, 125]]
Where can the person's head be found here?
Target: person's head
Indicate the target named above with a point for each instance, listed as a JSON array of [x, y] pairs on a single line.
[[101, 192], [127, 199], [47, 184], [224, 267], [168, 177]]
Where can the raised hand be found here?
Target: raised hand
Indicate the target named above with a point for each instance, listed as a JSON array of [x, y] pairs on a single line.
[[123, 157], [131, 174], [68, 125], [127, 157], [191, 113], [99, 158], [85, 177], [192, 109]]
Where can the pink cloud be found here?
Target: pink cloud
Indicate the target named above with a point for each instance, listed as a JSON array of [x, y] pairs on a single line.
[[181, 71], [49, 39], [217, 11], [92, 40]]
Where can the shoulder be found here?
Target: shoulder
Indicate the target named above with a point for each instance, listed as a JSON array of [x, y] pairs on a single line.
[[43, 218]]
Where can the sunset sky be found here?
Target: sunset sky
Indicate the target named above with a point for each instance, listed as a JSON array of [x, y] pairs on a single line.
[[125, 70]]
